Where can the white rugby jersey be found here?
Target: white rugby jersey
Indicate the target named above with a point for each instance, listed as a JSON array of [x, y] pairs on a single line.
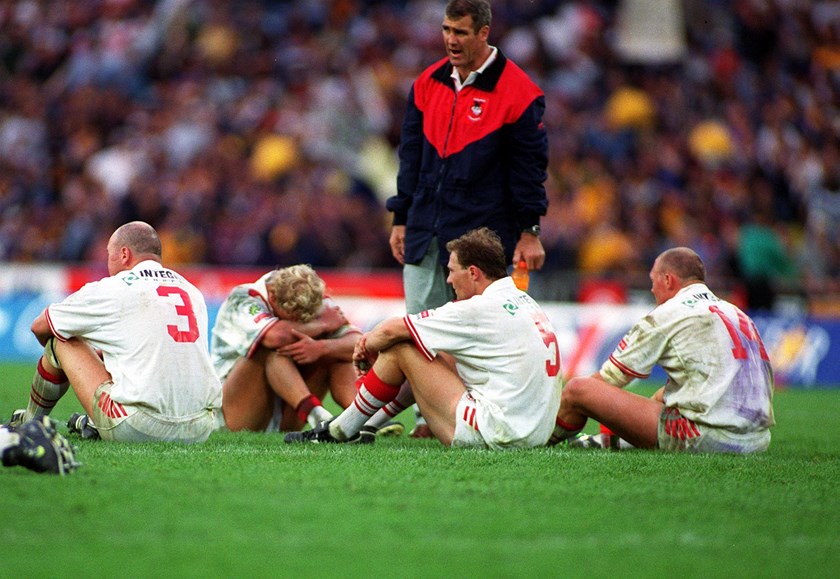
[[243, 319], [151, 325], [719, 373], [506, 353]]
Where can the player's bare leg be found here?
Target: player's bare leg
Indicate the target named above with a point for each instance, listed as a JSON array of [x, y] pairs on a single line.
[[84, 369], [633, 417], [435, 387], [317, 380], [341, 383], [285, 379], [247, 400]]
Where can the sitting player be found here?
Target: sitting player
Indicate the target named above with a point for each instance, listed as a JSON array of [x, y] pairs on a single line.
[[133, 347], [719, 395], [484, 369], [279, 346]]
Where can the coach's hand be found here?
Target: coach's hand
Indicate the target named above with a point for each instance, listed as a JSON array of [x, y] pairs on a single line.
[[530, 248], [397, 243]]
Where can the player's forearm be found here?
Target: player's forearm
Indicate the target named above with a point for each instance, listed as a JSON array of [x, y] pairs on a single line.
[[41, 328], [340, 349], [386, 334], [280, 334], [315, 328]]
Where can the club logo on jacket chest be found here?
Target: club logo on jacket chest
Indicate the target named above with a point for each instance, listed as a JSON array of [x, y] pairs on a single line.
[[477, 109]]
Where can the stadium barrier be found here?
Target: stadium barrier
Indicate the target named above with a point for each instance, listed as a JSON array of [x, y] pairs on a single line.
[[805, 351]]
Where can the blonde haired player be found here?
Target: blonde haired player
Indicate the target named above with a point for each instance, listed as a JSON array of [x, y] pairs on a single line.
[[297, 291], [719, 394], [154, 379], [279, 346]]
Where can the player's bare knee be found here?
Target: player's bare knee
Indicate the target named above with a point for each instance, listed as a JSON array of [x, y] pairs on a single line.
[[391, 359], [573, 392], [399, 349]]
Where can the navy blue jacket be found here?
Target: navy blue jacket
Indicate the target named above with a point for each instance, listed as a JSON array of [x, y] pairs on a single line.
[[472, 158]]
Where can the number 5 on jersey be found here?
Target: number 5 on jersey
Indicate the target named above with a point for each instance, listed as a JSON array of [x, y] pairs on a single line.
[[552, 365]]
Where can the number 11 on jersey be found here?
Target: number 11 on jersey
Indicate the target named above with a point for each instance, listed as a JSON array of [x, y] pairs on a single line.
[[747, 329]]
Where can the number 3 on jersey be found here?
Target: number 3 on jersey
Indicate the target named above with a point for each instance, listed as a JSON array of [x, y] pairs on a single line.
[[185, 308], [552, 366], [748, 330]]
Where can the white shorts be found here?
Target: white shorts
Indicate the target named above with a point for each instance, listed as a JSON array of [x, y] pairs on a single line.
[[494, 432], [129, 423], [678, 433]]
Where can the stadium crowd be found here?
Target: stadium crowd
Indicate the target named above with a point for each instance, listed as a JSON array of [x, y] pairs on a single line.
[[263, 133]]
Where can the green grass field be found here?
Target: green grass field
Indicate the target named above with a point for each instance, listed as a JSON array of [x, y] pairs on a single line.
[[245, 505]]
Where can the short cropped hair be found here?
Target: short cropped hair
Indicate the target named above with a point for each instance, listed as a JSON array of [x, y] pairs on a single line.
[[478, 9], [684, 263], [297, 290], [482, 248], [140, 237]]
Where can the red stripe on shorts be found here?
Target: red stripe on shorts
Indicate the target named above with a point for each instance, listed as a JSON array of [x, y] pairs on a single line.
[[110, 408]]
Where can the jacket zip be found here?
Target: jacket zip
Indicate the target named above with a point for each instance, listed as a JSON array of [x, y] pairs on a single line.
[[444, 161]]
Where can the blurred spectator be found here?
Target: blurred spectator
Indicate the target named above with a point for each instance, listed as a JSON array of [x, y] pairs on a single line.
[[763, 261]]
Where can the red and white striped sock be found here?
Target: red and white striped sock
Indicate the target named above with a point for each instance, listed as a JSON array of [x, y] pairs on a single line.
[[403, 400], [45, 392], [563, 431], [373, 394], [312, 411]]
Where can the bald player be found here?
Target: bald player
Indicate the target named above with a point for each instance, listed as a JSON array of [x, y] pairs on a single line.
[[719, 393], [134, 347]]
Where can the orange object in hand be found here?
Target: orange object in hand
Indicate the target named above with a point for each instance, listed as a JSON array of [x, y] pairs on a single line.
[[520, 275]]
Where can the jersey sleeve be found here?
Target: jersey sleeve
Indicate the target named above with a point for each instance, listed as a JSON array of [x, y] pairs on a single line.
[[444, 329], [82, 312], [243, 320], [635, 355]]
